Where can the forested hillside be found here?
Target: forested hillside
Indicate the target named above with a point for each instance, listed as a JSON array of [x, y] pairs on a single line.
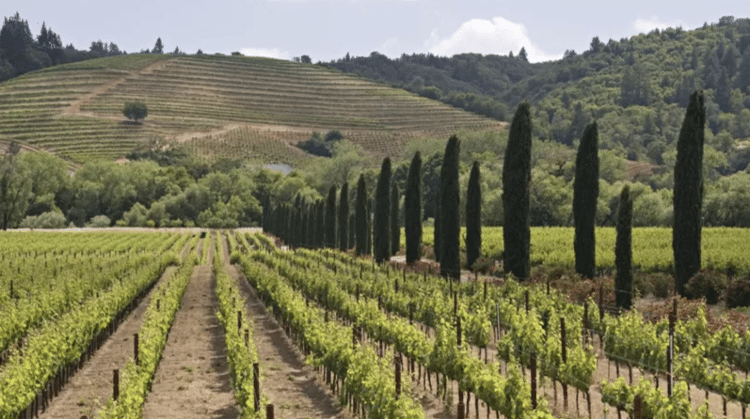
[[636, 88]]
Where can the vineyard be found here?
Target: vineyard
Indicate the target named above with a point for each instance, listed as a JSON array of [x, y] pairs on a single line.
[[723, 248], [255, 108], [128, 324]]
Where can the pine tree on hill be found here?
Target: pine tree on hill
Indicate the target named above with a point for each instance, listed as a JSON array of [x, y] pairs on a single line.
[[585, 196], [516, 179], [450, 222], [413, 210], [688, 193], [473, 217], [624, 252], [361, 214], [331, 218], [381, 225], [344, 217]]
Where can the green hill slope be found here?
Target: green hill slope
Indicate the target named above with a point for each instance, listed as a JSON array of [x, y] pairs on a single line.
[[218, 106]]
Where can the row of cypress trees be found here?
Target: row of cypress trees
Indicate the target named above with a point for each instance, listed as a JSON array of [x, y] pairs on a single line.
[[688, 193]]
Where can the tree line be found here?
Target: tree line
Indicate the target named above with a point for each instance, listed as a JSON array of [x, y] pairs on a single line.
[[376, 227]]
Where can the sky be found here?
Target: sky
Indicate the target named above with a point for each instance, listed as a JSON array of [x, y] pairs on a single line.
[[329, 29]]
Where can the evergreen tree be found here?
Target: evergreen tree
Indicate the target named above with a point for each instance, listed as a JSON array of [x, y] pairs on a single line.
[[473, 217], [395, 221], [344, 217], [516, 179], [743, 73], [585, 196], [437, 248], [158, 47], [331, 218], [724, 92], [352, 230], [368, 227], [381, 223], [413, 210], [450, 222], [321, 225], [688, 193], [312, 221], [624, 252], [361, 214]]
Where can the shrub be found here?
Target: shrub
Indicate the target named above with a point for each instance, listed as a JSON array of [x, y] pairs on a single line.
[[738, 293], [663, 284], [706, 285], [49, 219], [135, 110], [99, 221]]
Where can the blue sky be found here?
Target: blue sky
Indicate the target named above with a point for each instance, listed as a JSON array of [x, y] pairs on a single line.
[[328, 29]]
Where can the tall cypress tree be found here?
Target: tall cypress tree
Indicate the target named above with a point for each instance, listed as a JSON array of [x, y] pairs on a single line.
[[344, 217], [361, 214], [321, 225], [437, 247], [311, 223], [624, 251], [352, 229], [368, 227], [585, 196], [688, 193], [381, 224], [450, 221], [413, 210], [473, 217], [516, 179], [331, 218], [395, 220]]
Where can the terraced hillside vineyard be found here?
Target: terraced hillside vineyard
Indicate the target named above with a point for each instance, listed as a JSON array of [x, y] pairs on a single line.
[[218, 106]]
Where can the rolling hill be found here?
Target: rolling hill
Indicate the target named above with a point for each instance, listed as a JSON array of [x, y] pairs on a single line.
[[217, 106]]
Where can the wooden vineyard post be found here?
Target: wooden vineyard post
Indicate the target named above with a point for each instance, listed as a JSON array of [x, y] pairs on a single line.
[[247, 339], [460, 408], [11, 289], [670, 349], [256, 387], [532, 361], [269, 411], [239, 322], [115, 384], [455, 303], [135, 350], [601, 315], [564, 360], [397, 361], [637, 407], [458, 330], [585, 322], [485, 288], [157, 304], [526, 300]]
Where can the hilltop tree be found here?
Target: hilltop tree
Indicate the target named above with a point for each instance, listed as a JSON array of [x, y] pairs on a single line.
[[331, 218], [624, 252], [344, 217], [158, 47], [516, 179], [473, 217], [381, 224], [394, 219], [585, 196], [361, 220], [450, 223], [135, 110], [688, 193], [413, 211]]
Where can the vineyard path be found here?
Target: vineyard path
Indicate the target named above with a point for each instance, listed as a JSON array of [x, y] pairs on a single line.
[[89, 389], [290, 385], [192, 379]]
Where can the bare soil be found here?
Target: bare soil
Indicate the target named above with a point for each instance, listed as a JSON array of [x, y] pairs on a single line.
[[89, 390], [294, 388], [192, 380]]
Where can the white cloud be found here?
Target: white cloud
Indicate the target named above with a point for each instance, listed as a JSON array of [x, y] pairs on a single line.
[[266, 52], [497, 36], [646, 25]]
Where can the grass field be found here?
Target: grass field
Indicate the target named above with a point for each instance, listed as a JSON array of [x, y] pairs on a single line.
[[217, 106]]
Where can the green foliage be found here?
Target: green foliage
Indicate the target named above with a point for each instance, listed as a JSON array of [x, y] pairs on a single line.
[[624, 252], [450, 265], [585, 197], [330, 218], [361, 214], [413, 210], [516, 178], [395, 220], [99, 221], [344, 217], [706, 285], [135, 110], [45, 220], [381, 224], [688, 193], [473, 217]]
